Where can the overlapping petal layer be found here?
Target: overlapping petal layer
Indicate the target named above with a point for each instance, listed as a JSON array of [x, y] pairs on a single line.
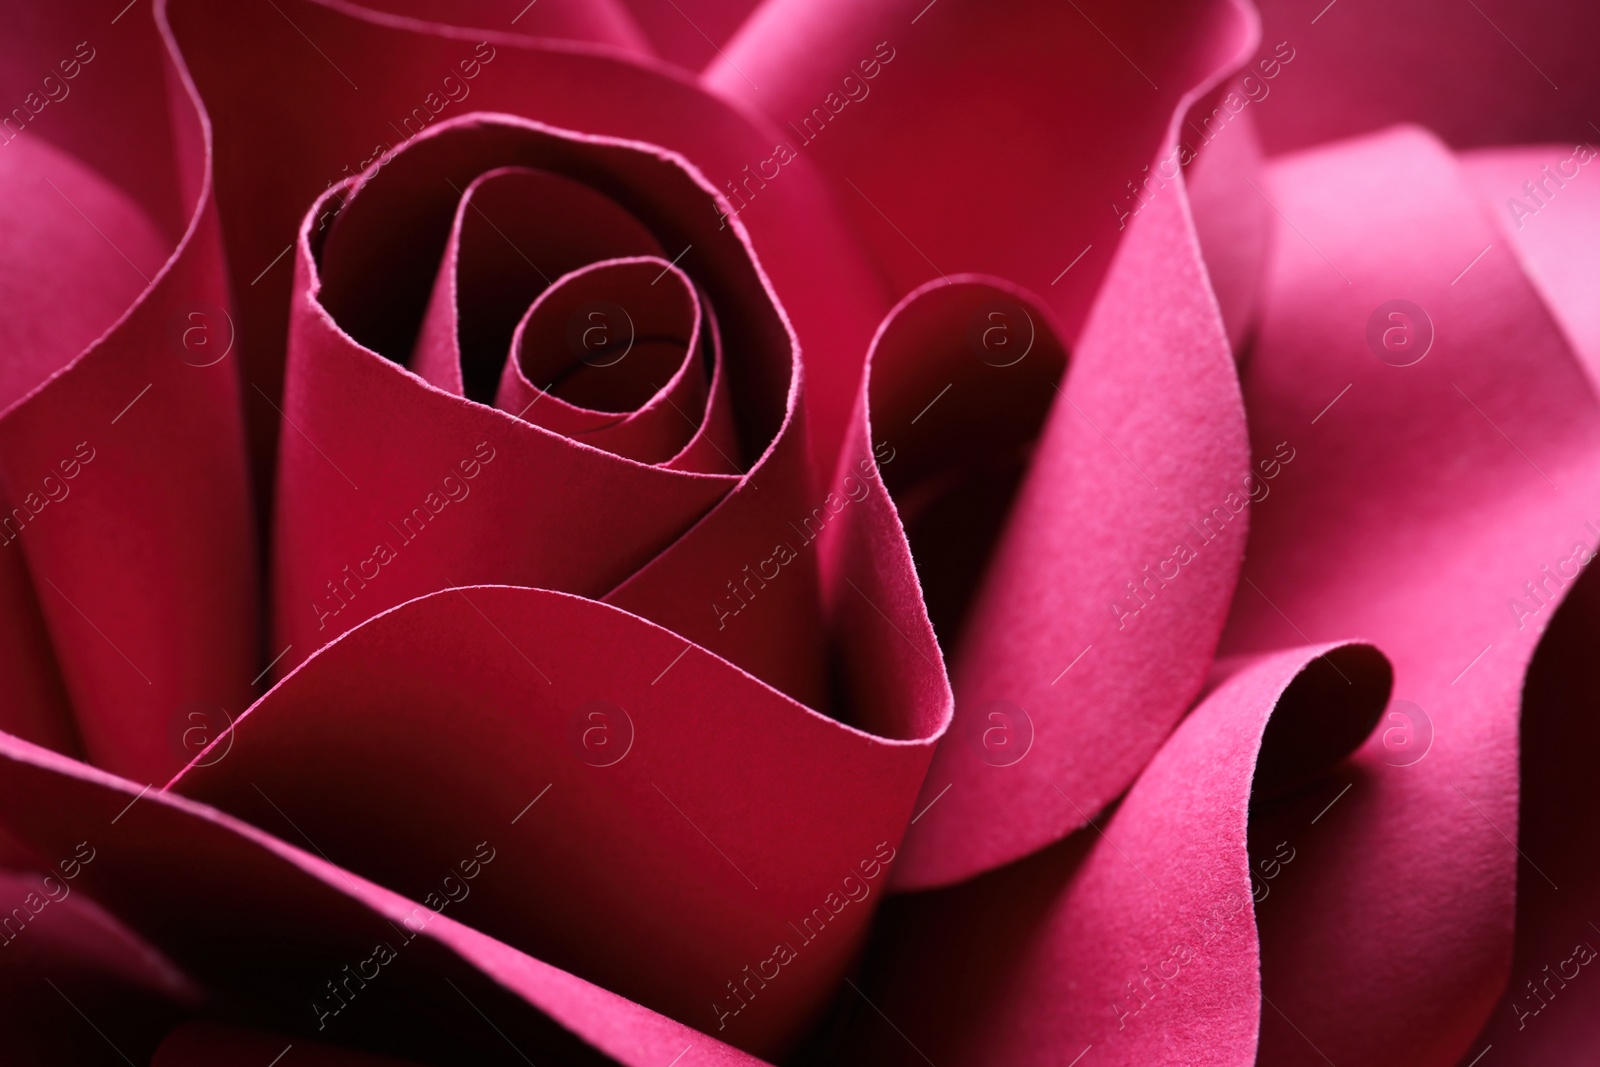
[[127, 562], [1082, 626], [639, 450], [1459, 463], [664, 824], [284, 940], [1135, 938]]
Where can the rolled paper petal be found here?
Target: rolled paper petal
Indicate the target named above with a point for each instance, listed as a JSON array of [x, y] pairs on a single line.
[[1098, 632], [518, 235], [930, 118], [591, 379], [1223, 183], [49, 194], [129, 569], [1073, 626], [302, 947], [960, 381], [623, 347], [616, 755], [1547, 1012], [516, 230], [41, 184], [265, 86], [591, 520], [1444, 442], [1135, 937], [356, 535]]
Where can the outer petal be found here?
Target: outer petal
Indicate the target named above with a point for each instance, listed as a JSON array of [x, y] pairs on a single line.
[[1426, 506], [1548, 1012], [126, 544], [961, 137], [1073, 626], [665, 817], [1132, 942], [264, 85], [1545, 1016], [274, 931]]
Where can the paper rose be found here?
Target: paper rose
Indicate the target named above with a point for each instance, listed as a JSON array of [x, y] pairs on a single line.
[[600, 531]]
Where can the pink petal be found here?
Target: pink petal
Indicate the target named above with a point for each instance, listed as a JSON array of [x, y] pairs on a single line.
[[1421, 499]]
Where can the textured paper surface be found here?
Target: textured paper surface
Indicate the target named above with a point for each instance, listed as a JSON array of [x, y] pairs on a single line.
[[797, 532]]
